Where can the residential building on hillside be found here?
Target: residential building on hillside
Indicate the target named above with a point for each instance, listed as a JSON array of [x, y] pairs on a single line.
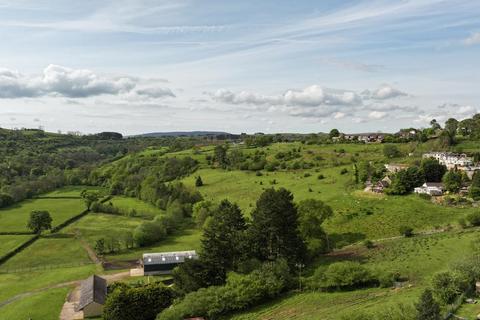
[[395, 167], [365, 137], [430, 188], [451, 160]]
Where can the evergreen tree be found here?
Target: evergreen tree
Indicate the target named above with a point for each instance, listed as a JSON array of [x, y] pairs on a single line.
[[198, 182], [223, 237], [432, 170], [274, 230], [427, 307]]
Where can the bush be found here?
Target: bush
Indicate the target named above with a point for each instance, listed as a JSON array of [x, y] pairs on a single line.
[[341, 275], [369, 244], [448, 285], [149, 233], [320, 177], [474, 218], [239, 293], [406, 231], [126, 303], [344, 171]]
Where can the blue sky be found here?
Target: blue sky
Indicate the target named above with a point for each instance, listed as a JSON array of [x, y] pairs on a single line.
[[238, 66]]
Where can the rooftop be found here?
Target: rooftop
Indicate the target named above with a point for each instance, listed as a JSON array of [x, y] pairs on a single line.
[[168, 257], [93, 289]]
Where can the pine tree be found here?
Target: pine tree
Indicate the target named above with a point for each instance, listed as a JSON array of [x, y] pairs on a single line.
[[199, 182], [274, 230], [223, 236], [427, 307]]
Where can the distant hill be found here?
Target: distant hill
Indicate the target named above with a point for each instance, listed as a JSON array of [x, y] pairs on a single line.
[[183, 134]]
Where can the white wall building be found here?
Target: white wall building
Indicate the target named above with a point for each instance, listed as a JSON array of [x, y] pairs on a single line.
[[431, 188], [451, 160]]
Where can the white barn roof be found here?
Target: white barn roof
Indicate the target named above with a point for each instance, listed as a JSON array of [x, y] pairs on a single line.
[[168, 257]]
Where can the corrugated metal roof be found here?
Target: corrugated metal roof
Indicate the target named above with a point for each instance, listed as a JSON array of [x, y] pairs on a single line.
[[168, 257], [93, 289]]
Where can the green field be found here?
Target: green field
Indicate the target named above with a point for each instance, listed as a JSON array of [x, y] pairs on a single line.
[[142, 208], [9, 243], [416, 258], [15, 218], [182, 241], [99, 225], [50, 252], [71, 191], [44, 305]]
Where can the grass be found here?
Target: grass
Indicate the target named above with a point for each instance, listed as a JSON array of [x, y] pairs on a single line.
[[144, 209], [9, 243], [182, 241], [49, 252], [418, 258], [43, 305], [99, 225], [15, 283], [15, 218], [70, 191]]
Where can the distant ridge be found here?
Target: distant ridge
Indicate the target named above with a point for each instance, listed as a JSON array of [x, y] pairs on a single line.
[[182, 134]]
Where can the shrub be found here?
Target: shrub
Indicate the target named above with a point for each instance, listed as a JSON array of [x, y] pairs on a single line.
[[474, 218], [406, 231], [126, 303], [259, 173], [448, 285], [368, 244], [341, 275], [240, 292], [320, 177], [344, 171]]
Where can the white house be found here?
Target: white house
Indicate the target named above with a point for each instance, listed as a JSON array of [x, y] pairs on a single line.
[[451, 160], [431, 188]]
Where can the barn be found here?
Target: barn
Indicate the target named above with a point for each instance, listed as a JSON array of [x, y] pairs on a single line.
[[165, 262], [93, 293]]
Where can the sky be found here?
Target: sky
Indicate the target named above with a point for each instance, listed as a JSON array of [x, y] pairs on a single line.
[[237, 66]]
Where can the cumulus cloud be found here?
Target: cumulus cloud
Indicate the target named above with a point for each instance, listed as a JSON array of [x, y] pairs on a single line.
[[473, 39], [377, 115], [71, 83], [312, 96], [384, 92]]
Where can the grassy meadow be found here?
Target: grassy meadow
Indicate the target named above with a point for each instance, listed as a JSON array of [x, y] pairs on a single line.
[[11, 242], [143, 209], [15, 217]]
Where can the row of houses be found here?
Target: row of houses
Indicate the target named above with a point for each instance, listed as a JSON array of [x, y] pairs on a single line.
[[378, 137], [459, 161]]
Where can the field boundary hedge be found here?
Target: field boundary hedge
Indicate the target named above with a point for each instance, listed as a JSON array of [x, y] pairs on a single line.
[[56, 229], [16, 233], [18, 249], [58, 197]]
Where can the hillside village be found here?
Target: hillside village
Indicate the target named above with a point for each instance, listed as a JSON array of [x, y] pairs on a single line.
[[455, 162]]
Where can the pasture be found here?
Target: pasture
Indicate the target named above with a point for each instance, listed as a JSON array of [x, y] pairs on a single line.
[[143, 209], [416, 258], [71, 191], [15, 217], [181, 241], [49, 252], [11, 242], [43, 305]]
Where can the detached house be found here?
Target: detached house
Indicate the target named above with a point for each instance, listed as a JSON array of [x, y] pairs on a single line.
[[430, 188]]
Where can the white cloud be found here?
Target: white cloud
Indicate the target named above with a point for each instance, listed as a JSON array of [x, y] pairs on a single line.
[[384, 92], [311, 96], [377, 115], [72, 83], [473, 39]]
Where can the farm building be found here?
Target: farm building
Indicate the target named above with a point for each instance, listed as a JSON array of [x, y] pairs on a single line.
[[165, 262], [431, 188], [93, 293]]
